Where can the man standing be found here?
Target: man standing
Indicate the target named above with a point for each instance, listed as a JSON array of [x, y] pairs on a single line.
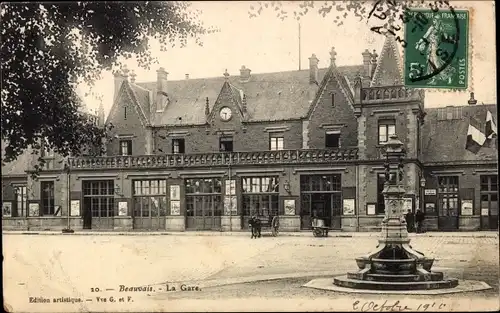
[[409, 218], [419, 218]]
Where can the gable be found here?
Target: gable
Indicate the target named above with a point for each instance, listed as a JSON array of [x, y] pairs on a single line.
[[388, 70], [341, 86], [125, 114], [229, 96]]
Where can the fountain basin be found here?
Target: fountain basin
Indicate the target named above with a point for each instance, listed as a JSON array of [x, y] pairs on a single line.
[[388, 266]]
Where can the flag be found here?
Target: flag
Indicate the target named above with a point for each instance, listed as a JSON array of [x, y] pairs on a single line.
[[490, 129], [475, 139]]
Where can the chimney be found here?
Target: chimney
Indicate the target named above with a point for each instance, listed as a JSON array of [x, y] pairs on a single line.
[[472, 101], [244, 74], [373, 63], [119, 78], [187, 76], [367, 63], [313, 69], [161, 89]]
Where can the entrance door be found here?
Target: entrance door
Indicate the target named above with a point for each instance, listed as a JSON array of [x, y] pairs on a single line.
[[321, 196], [149, 213], [448, 212], [98, 204], [448, 206], [325, 206], [203, 212], [489, 202], [489, 211]]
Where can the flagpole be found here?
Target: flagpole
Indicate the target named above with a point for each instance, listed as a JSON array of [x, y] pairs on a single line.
[[299, 49]]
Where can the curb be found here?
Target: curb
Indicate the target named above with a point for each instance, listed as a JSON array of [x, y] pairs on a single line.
[[245, 234]]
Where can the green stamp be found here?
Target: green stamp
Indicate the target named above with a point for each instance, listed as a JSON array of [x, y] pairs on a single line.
[[436, 54]]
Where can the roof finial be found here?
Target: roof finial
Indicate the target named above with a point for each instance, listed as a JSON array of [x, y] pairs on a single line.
[[125, 70], [132, 76], [333, 55], [207, 107], [226, 75]]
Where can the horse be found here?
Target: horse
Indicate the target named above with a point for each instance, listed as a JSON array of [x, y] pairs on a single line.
[[256, 226]]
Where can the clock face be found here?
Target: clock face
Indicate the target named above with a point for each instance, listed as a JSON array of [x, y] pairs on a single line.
[[225, 114]]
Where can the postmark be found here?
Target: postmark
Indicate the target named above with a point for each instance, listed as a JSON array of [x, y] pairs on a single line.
[[437, 49]]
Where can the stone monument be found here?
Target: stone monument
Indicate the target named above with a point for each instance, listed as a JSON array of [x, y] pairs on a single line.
[[394, 264]]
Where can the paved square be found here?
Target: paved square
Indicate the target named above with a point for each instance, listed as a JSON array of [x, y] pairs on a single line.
[[87, 267]]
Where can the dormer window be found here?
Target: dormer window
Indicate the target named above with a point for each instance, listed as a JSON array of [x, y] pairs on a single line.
[[125, 147], [226, 144], [386, 129], [332, 139], [178, 146]]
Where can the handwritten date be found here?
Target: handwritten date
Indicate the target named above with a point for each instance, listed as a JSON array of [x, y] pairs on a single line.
[[397, 306]]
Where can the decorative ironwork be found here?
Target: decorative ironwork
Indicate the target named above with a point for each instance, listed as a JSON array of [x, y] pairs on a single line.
[[398, 93], [216, 159]]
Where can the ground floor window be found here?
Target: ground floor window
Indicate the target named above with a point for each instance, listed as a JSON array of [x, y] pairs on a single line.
[[321, 205], [489, 202], [489, 194], [260, 196], [47, 197], [21, 202], [99, 195], [102, 206], [204, 205], [260, 204], [150, 198]]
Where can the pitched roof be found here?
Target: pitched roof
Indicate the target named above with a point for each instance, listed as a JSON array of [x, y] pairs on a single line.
[[388, 71], [270, 96], [445, 133], [17, 167], [140, 98]]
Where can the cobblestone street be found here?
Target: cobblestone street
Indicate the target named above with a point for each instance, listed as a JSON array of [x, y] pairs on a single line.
[[225, 267]]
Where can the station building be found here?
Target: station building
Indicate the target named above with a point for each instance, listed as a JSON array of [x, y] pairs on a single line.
[[206, 154]]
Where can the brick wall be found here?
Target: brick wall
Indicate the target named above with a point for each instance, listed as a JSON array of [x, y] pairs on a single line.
[[131, 125], [328, 113]]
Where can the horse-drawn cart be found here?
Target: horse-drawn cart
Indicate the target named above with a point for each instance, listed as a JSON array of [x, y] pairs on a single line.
[[256, 224]]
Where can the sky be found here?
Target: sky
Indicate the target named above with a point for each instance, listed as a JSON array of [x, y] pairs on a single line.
[[268, 44]]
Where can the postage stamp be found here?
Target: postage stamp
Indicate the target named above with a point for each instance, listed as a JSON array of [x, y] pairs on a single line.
[[437, 49]]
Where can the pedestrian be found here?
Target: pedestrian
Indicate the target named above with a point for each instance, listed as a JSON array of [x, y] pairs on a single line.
[[419, 218], [255, 225], [410, 221]]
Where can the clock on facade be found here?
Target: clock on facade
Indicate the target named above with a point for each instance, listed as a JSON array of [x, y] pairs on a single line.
[[225, 114]]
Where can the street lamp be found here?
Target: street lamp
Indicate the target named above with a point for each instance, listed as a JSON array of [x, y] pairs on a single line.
[[67, 169], [422, 193]]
